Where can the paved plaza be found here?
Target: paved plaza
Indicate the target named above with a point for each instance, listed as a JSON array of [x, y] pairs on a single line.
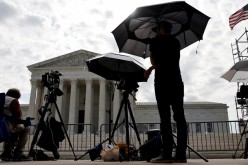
[[100, 162]]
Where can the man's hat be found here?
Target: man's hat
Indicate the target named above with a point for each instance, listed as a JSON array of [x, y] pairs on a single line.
[[164, 24]]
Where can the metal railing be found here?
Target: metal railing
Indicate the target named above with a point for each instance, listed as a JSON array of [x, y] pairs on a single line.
[[202, 136]]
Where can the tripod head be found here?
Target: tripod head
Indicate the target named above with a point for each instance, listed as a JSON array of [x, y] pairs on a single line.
[[127, 85]]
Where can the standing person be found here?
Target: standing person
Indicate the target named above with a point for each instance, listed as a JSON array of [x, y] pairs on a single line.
[[169, 92], [18, 128]]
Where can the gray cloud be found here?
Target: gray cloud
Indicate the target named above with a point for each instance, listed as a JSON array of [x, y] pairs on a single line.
[[7, 11], [32, 20]]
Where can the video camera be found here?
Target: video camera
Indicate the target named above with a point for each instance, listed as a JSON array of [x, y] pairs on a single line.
[[51, 81], [129, 85]]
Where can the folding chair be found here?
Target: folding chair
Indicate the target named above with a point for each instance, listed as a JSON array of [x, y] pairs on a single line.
[[4, 133]]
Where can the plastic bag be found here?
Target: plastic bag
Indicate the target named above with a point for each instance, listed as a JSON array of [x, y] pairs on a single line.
[[110, 153]]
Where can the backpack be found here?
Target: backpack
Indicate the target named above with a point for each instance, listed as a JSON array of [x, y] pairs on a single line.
[[151, 148]]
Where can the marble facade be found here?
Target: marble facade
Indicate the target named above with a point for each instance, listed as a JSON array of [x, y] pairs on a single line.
[[87, 97]]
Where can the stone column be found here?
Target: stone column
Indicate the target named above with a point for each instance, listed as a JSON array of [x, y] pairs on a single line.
[[72, 109], [88, 102], [31, 111], [59, 101], [38, 101], [38, 96], [102, 103], [116, 103]]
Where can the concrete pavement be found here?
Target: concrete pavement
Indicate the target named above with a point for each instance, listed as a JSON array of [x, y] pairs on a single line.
[[101, 162]]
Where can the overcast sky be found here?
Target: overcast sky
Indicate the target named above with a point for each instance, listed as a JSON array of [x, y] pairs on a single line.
[[32, 31]]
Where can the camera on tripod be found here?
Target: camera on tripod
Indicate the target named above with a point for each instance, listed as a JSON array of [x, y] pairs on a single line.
[[51, 81], [52, 130], [128, 85]]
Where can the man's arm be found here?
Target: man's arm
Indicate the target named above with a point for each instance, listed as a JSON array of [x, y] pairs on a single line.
[[149, 70], [152, 59]]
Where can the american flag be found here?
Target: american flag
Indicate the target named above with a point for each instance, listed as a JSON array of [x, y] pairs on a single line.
[[238, 16]]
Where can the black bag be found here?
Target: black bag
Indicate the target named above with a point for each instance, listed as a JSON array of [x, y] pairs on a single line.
[[52, 134], [39, 155], [151, 148], [95, 152]]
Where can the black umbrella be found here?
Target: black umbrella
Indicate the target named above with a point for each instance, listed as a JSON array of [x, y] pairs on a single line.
[[134, 33], [116, 66]]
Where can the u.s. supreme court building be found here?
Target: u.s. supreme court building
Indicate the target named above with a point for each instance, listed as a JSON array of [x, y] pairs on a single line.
[[87, 97]]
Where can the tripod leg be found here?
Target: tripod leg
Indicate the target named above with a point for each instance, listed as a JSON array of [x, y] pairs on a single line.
[[234, 156], [38, 129], [243, 132], [117, 119], [109, 125], [82, 155], [134, 123], [65, 131], [194, 151], [246, 148], [127, 129]]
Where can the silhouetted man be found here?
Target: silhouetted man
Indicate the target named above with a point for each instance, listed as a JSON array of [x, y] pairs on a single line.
[[169, 91]]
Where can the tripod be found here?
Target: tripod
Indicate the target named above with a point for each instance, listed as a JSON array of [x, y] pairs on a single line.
[[50, 99], [126, 104], [245, 153], [128, 111]]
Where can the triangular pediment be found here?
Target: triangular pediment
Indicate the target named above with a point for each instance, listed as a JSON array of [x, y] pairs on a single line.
[[73, 59]]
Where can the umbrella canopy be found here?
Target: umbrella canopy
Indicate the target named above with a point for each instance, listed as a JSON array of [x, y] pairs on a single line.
[[238, 72], [117, 66], [134, 33]]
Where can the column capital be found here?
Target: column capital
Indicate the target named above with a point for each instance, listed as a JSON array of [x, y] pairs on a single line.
[[110, 84], [39, 84], [33, 82], [102, 81], [62, 80], [74, 81], [61, 83], [88, 81]]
